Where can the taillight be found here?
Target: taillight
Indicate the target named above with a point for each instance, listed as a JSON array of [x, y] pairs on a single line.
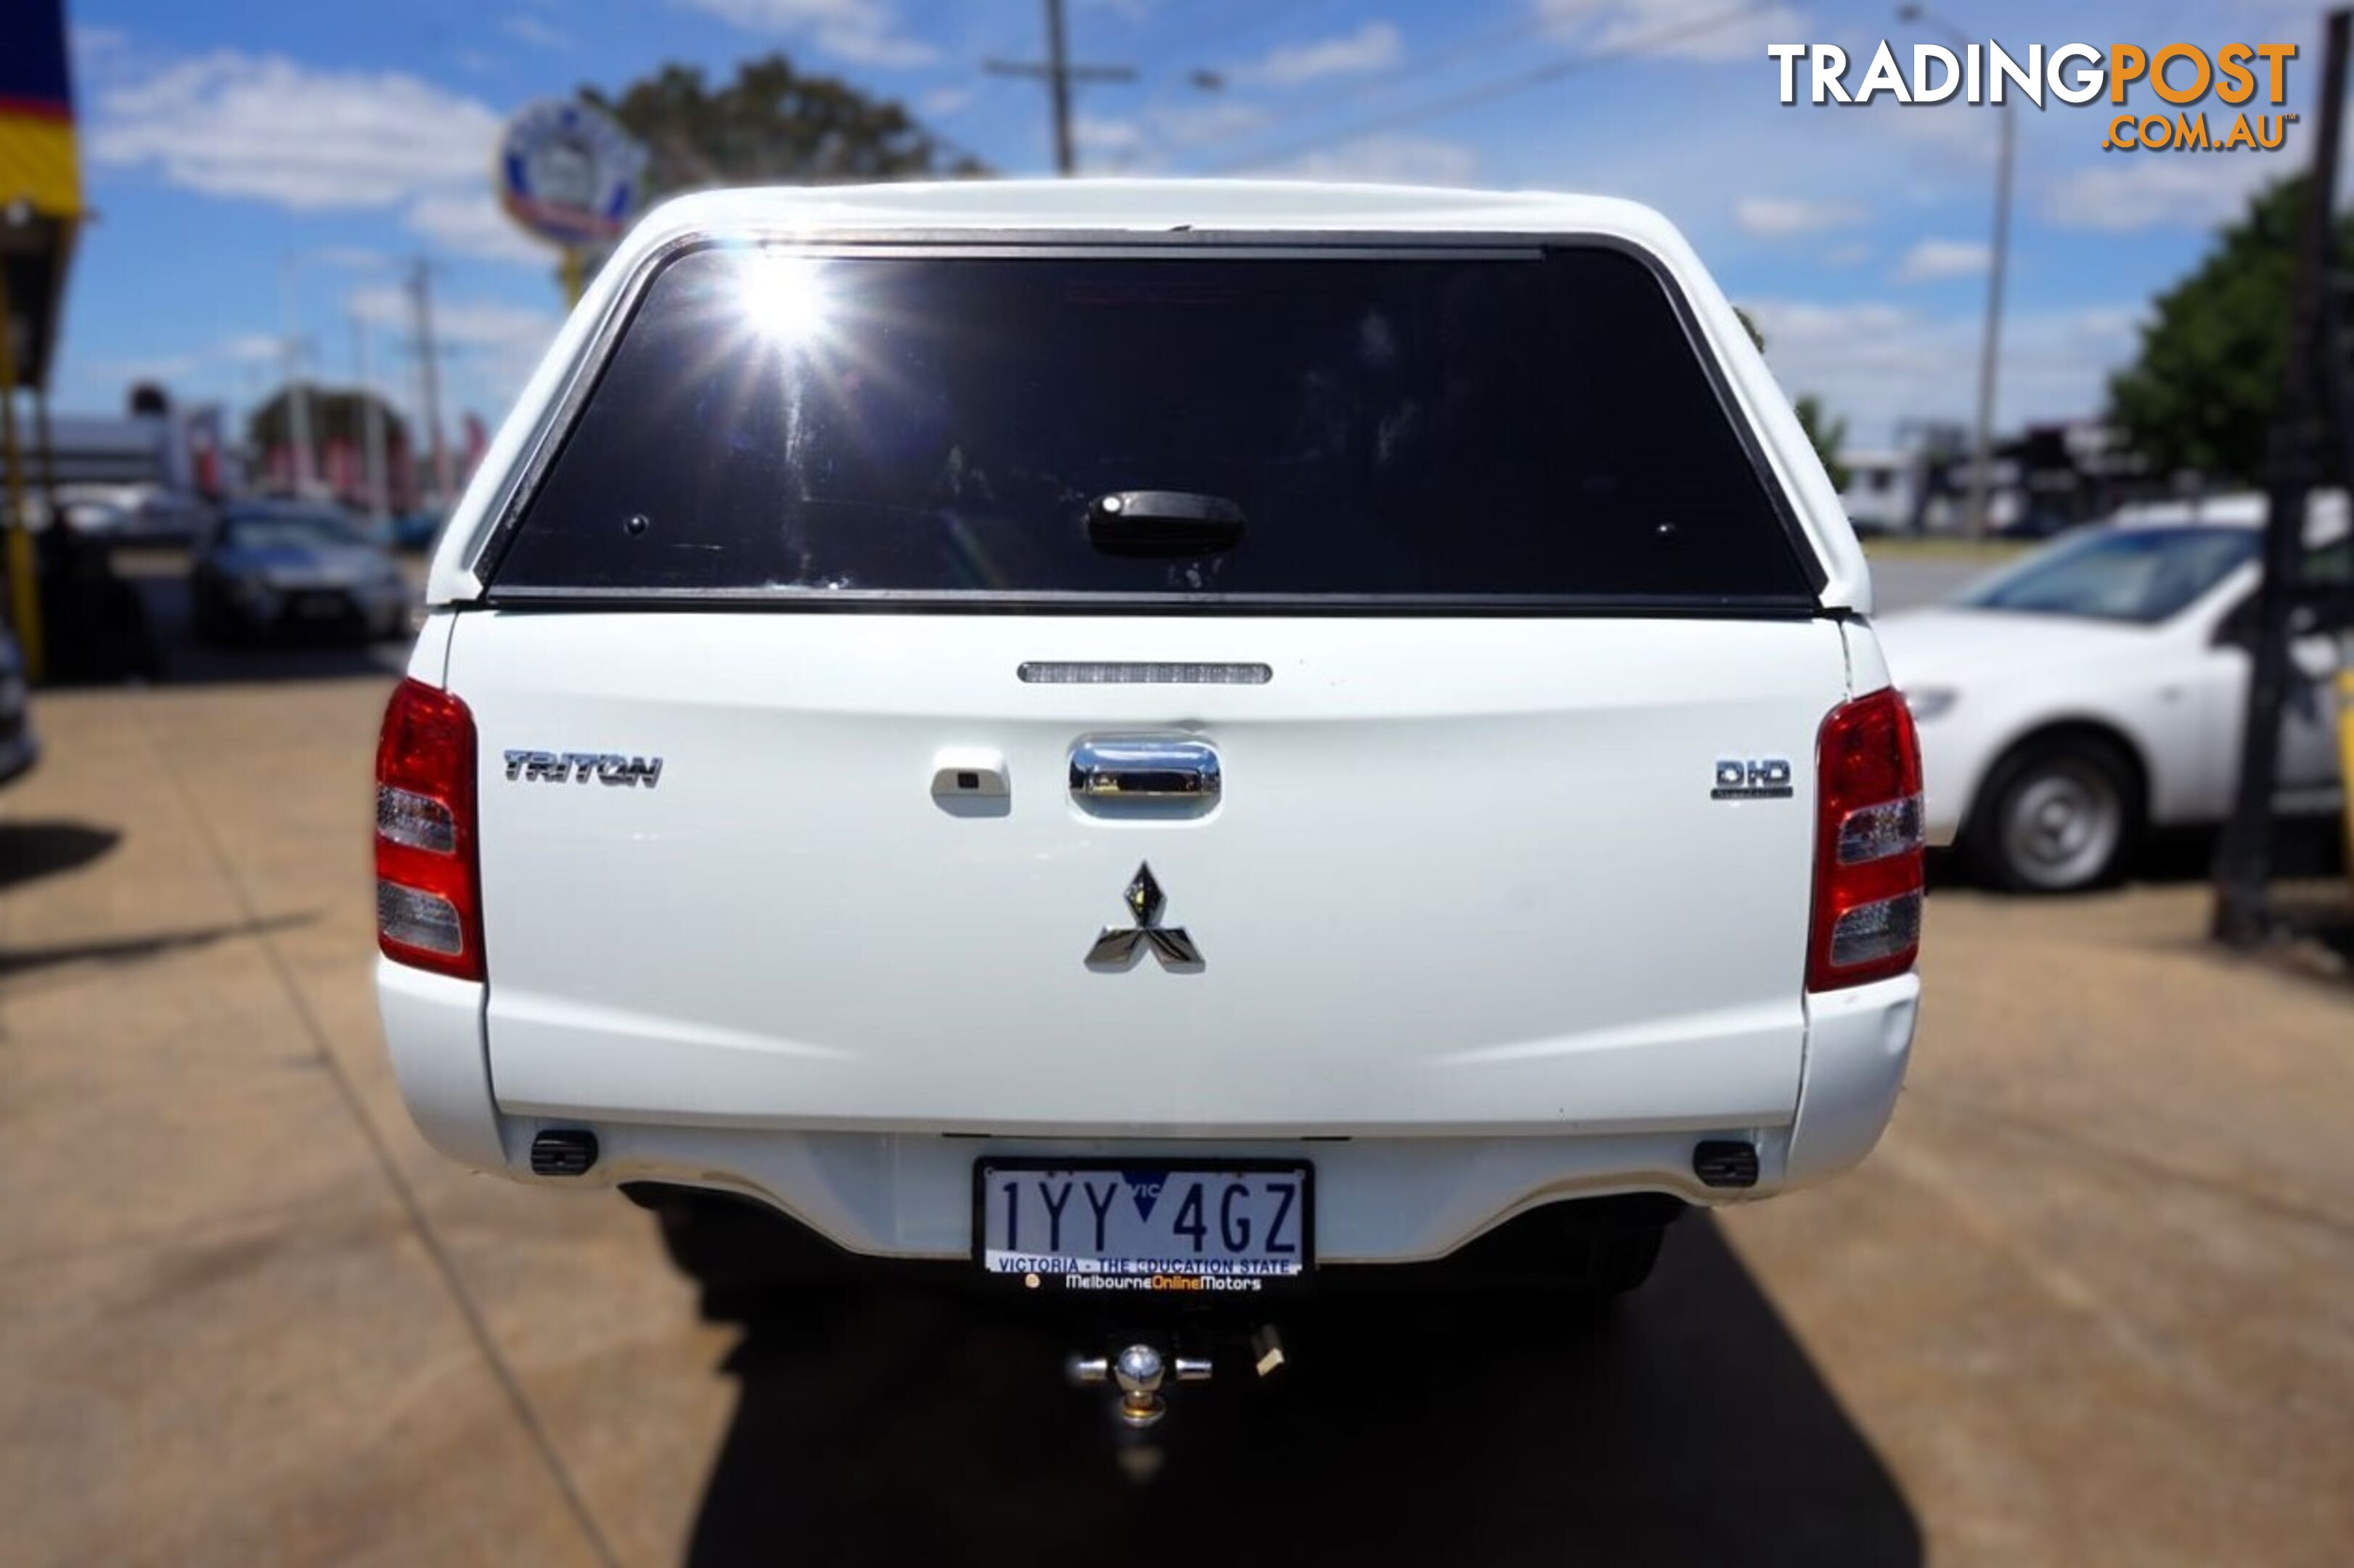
[[428, 911], [1868, 869]]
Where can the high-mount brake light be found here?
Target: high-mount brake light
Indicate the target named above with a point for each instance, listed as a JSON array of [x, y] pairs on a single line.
[[428, 880], [1868, 872]]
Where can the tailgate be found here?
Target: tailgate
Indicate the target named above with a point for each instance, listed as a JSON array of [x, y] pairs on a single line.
[[1485, 518], [1460, 874]]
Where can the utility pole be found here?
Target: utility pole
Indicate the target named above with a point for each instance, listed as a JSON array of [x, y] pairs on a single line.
[[429, 361], [298, 396], [372, 420], [1059, 74], [2243, 856], [1997, 263], [1990, 343]]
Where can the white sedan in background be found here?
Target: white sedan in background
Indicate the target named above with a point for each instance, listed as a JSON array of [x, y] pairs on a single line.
[[2098, 687]]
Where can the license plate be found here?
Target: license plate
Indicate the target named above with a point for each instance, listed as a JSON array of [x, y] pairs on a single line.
[[322, 607], [1221, 1227]]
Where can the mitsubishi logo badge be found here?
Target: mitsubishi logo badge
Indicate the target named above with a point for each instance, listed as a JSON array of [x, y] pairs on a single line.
[[1118, 946]]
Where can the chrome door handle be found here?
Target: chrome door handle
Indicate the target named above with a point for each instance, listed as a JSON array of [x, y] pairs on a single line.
[[1142, 767]]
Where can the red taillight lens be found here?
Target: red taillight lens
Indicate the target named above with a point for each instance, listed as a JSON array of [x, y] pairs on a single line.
[[428, 911], [1868, 869]]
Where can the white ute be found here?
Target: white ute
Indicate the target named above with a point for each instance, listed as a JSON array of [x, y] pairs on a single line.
[[1155, 738]]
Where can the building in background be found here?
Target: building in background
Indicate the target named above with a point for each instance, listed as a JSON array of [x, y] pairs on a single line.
[[151, 444], [2045, 478], [342, 422]]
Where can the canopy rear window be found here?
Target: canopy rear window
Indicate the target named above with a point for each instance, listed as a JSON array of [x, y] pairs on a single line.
[[1526, 426]]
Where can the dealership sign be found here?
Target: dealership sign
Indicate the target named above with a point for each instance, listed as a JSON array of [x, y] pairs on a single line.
[[568, 174]]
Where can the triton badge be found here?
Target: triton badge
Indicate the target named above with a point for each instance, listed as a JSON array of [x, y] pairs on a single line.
[[1118, 946], [607, 767]]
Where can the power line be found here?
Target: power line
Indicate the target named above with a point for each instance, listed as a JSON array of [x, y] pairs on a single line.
[[1489, 92], [1059, 74], [1356, 87], [1240, 19]]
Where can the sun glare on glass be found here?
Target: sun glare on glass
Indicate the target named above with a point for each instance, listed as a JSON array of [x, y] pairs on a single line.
[[784, 297]]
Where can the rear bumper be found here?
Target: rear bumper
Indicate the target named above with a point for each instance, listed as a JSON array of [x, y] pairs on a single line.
[[1395, 1198]]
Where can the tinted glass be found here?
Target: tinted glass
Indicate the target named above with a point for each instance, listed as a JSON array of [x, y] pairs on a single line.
[[1454, 427], [2138, 575]]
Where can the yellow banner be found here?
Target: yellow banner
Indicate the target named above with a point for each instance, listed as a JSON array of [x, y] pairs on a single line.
[[37, 165]]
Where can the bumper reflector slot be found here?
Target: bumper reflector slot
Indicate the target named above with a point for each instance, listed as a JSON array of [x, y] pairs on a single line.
[[1721, 1162], [563, 1151]]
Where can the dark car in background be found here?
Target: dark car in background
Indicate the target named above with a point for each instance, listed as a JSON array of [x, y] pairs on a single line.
[[270, 568]]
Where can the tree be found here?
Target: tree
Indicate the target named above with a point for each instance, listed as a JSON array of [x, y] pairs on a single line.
[[332, 413], [771, 124], [1827, 434], [2202, 393]]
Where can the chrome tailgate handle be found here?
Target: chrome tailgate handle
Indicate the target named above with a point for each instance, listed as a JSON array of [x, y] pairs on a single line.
[[1142, 767]]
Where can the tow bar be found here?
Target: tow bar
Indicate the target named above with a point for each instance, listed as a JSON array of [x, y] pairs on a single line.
[[1141, 1369]]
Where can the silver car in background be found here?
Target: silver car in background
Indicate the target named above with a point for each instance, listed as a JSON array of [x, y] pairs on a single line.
[[267, 568]]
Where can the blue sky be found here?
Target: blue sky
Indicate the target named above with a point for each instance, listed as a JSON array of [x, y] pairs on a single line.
[[231, 146]]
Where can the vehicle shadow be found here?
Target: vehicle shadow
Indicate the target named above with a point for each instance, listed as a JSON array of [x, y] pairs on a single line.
[[1682, 1425], [29, 851], [15, 961]]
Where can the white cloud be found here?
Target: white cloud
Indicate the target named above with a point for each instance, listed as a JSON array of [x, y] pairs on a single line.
[[2150, 190], [534, 31], [262, 126], [1373, 46], [1854, 254], [1959, 136], [1148, 143], [944, 101], [865, 32], [266, 128], [1705, 30], [1098, 138], [252, 348], [469, 223], [1188, 123], [1779, 217], [1880, 363], [1933, 261], [1391, 160]]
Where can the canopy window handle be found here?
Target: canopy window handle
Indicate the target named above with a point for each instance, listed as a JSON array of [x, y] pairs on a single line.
[[1128, 767]]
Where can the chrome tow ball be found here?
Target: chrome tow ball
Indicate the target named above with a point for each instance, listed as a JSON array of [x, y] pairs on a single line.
[[1139, 1371]]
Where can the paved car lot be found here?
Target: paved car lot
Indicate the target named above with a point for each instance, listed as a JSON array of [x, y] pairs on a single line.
[[2093, 1300]]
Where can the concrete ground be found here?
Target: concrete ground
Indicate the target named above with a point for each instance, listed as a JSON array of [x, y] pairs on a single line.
[[2092, 1301]]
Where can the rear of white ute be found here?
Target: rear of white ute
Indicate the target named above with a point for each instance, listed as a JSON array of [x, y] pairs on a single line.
[[1152, 737]]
